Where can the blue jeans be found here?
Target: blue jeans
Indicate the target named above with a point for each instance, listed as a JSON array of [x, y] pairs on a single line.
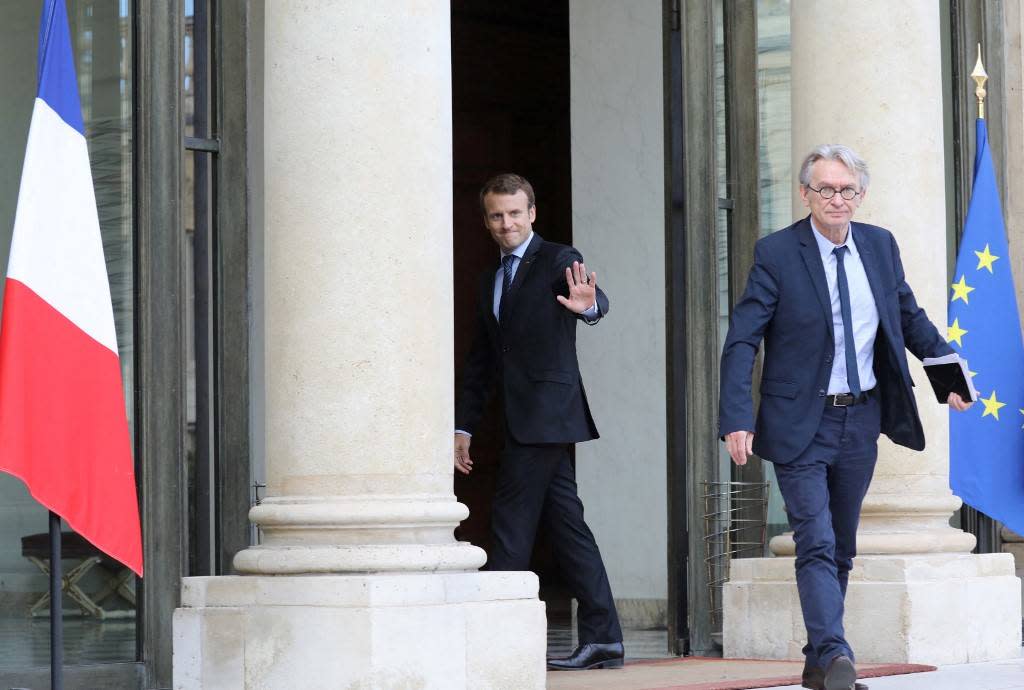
[[823, 489]]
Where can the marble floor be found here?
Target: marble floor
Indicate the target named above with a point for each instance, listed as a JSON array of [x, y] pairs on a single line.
[[25, 642], [639, 643]]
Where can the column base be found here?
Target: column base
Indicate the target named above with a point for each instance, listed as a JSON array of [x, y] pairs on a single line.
[[1013, 544], [444, 631], [924, 609]]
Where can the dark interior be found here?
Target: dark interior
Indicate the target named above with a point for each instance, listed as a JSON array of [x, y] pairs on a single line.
[[510, 93]]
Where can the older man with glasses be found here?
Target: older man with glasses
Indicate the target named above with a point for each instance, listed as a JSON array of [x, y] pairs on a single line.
[[829, 299]]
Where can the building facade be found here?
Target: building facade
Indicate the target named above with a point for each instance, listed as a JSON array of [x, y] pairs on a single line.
[[287, 193]]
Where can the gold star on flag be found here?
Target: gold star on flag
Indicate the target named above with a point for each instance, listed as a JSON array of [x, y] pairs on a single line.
[[985, 259], [1022, 412], [961, 290], [992, 406], [954, 333]]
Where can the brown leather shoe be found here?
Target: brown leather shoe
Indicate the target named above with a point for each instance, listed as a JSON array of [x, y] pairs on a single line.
[[814, 679]]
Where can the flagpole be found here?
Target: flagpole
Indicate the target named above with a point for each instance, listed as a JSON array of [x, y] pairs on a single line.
[[980, 76], [56, 614]]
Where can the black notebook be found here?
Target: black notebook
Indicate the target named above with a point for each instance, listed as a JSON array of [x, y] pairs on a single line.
[[949, 374]]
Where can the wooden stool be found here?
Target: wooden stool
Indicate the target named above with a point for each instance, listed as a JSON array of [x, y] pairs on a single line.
[[36, 548]]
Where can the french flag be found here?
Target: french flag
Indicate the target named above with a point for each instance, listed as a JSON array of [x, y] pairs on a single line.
[[63, 424]]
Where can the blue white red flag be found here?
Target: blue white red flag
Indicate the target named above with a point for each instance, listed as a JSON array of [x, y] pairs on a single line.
[[63, 423]]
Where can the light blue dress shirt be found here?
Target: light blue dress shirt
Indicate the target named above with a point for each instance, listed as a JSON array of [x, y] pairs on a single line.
[[862, 308], [590, 316]]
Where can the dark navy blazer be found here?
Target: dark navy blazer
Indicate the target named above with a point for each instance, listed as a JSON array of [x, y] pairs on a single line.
[[786, 304], [530, 357]]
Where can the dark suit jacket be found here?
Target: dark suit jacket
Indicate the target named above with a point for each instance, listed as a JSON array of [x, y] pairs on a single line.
[[786, 303], [531, 356]]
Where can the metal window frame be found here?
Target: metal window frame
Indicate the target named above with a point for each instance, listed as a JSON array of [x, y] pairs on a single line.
[[221, 283], [231, 282], [160, 302], [690, 217], [203, 506], [691, 362]]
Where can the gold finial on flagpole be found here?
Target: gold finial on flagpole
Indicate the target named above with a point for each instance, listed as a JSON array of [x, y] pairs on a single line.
[[980, 76]]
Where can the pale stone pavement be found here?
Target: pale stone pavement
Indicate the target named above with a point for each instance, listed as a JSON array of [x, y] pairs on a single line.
[[993, 675]]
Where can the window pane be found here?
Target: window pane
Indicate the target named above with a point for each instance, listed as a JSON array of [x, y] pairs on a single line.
[[102, 43], [773, 87], [188, 59], [776, 176]]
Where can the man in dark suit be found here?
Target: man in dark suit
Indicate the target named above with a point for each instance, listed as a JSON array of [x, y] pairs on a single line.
[[829, 299], [525, 347]]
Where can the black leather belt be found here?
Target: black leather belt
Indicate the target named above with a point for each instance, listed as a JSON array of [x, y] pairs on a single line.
[[846, 399]]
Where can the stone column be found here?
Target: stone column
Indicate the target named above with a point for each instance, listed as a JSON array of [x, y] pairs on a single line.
[[1012, 92], [358, 273], [1013, 97], [896, 125], [358, 580], [869, 75]]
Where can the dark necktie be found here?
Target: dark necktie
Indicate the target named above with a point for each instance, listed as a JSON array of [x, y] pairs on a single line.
[[506, 284], [852, 376]]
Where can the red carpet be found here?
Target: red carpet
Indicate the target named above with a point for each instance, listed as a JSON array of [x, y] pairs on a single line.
[[699, 673]]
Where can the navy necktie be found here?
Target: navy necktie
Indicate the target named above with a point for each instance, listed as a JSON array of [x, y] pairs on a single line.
[[852, 376], [506, 284]]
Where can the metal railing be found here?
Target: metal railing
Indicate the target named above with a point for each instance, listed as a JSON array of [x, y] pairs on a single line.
[[735, 517]]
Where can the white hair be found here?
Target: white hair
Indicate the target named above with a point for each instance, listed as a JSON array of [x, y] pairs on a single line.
[[835, 152]]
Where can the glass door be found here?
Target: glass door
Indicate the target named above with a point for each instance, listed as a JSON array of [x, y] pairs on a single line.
[[100, 597]]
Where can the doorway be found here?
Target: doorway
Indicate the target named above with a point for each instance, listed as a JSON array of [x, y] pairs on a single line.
[[569, 95], [510, 93]]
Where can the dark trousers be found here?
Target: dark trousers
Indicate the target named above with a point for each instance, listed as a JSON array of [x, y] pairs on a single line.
[[536, 488], [823, 490]]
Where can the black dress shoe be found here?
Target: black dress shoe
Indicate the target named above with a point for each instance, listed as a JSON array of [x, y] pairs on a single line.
[[814, 679], [840, 674], [591, 655]]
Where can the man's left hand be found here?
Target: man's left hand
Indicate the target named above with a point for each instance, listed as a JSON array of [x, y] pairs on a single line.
[[582, 289], [957, 403]]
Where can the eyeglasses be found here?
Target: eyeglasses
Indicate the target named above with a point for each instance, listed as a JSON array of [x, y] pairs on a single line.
[[847, 193]]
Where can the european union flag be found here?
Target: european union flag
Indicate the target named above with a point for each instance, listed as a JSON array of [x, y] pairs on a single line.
[[986, 462]]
